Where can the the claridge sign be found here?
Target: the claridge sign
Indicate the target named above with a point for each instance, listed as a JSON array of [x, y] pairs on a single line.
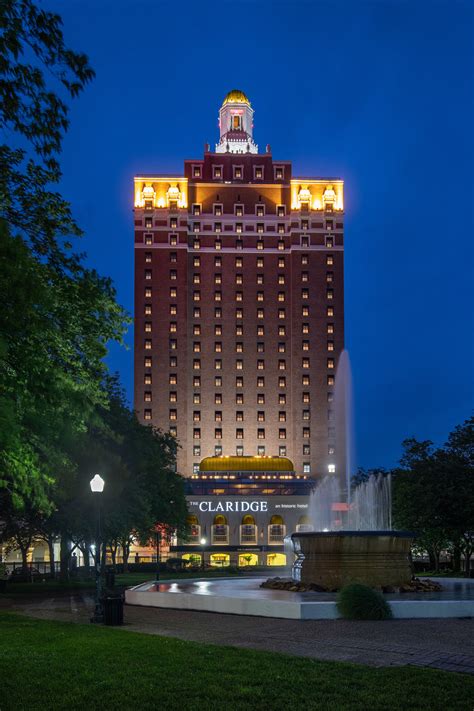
[[235, 506]]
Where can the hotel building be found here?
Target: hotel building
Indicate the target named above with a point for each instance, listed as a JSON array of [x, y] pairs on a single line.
[[239, 315]]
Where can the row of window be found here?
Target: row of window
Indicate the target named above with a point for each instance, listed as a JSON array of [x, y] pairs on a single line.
[[238, 172], [239, 329], [239, 433], [239, 211], [260, 314], [196, 244], [239, 261], [260, 346], [239, 398], [239, 381]]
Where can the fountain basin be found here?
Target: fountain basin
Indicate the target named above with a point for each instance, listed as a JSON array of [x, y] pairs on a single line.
[[334, 559]]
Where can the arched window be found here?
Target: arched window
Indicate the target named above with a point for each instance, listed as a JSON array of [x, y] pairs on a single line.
[[248, 530], [248, 519], [276, 530], [192, 522], [220, 520], [304, 524], [276, 520]]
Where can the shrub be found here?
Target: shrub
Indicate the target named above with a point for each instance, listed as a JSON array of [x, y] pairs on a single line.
[[359, 602]]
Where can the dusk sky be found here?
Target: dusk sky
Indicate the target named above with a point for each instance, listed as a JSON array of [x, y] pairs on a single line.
[[378, 93]]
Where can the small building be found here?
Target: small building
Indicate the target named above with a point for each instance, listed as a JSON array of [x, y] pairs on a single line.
[[241, 509]]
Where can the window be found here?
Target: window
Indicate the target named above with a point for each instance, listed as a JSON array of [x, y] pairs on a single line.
[[239, 399], [282, 330], [173, 414], [239, 382], [260, 382], [218, 381], [330, 397], [239, 313], [305, 311], [147, 414], [260, 347], [261, 433], [196, 209], [238, 172], [147, 345], [173, 431], [173, 362], [259, 295], [196, 450], [148, 257], [330, 260], [173, 274], [196, 261], [260, 416], [147, 379], [148, 240], [218, 296], [238, 210], [197, 416], [217, 172], [305, 380], [239, 330], [197, 296], [260, 399], [239, 433], [239, 416], [281, 365], [217, 227], [173, 310], [218, 330], [260, 279], [330, 363], [258, 172], [218, 312], [218, 262], [259, 244], [239, 262], [281, 278], [196, 171], [282, 416], [305, 363], [147, 396], [148, 223], [196, 226], [330, 328], [218, 364], [260, 330], [305, 345], [238, 227], [197, 347], [239, 296], [260, 313], [239, 347], [218, 398], [304, 260], [217, 347], [281, 313], [282, 450], [330, 379], [147, 326], [331, 450], [282, 382], [278, 172], [330, 345], [329, 277], [148, 274], [196, 312], [217, 209], [260, 210], [261, 451], [196, 364], [306, 468], [239, 450], [196, 433], [282, 399], [147, 362], [306, 432], [260, 365], [306, 415], [196, 330], [197, 399], [330, 311], [197, 381], [282, 433], [218, 416], [218, 244], [239, 279], [281, 296], [239, 364], [217, 433], [173, 223]]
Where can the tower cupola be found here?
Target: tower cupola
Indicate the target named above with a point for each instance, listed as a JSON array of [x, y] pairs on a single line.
[[236, 124]]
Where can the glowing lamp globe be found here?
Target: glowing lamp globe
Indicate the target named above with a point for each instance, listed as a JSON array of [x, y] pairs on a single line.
[[203, 541], [97, 484]]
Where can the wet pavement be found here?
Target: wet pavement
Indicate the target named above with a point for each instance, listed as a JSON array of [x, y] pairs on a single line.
[[437, 643]]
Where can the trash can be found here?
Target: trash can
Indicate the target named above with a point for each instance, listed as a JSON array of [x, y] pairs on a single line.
[[109, 579], [113, 609]]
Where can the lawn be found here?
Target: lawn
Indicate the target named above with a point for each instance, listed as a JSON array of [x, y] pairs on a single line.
[[53, 665]]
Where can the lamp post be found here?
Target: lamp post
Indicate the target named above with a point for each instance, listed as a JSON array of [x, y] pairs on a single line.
[[97, 487], [158, 538], [203, 542]]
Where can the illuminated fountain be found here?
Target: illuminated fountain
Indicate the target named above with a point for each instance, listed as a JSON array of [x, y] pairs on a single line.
[[352, 540]]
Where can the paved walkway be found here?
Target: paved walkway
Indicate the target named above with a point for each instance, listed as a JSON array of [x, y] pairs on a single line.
[[443, 644]]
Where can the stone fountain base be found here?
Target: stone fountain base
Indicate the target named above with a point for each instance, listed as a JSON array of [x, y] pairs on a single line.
[[337, 558], [414, 586]]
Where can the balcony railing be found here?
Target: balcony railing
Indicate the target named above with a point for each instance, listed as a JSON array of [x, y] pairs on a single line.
[[248, 534], [219, 534], [304, 528]]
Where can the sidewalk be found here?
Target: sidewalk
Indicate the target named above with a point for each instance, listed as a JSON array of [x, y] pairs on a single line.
[[443, 644]]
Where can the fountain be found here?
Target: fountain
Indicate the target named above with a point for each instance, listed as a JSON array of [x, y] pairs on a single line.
[[352, 540]]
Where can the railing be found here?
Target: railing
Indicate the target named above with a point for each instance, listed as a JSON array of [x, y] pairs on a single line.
[[304, 528], [276, 533], [220, 534], [248, 534]]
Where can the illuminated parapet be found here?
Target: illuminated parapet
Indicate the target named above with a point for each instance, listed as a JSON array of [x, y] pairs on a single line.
[[307, 194], [161, 192]]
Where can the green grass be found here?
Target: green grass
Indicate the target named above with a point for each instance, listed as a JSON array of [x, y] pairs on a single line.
[[53, 665]]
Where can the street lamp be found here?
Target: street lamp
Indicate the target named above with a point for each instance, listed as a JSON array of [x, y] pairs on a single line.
[[97, 487], [158, 539], [203, 542]]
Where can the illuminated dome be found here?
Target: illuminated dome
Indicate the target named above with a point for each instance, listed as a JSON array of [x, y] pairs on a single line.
[[236, 97], [249, 464]]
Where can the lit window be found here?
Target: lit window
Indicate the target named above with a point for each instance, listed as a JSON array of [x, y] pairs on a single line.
[[306, 415], [306, 432], [147, 414], [239, 296], [239, 433], [260, 382], [147, 327], [260, 313], [281, 365], [305, 363], [196, 347], [173, 275], [329, 242], [259, 244], [217, 210], [238, 210], [239, 416], [260, 210], [281, 313], [217, 364], [306, 449], [217, 433], [196, 226], [218, 262], [218, 381], [282, 434], [196, 433], [197, 416], [329, 277], [304, 294], [239, 382], [239, 450], [281, 263], [282, 399], [173, 414], [278, 173], [331, 450], [148, 257], [147, 362], [280, 210], [173, 380], [196, 171], [196, 364], [148, 274], [330, 311], [217, 416], [147, 396], [281, 278], [282, 382], [282, 450], [260, 365], [148, 345], [217, 347], [173, 310], [258, 172], [239, 347], [217, 172], [173, 431], [148, 240], [197, 399], [306, 468], [330, 362], [239, 330], [218, 244], [261, 451], [196, 312], [218, 330], [196, 330], [282, 330], [237, 172], [173, 327], [218, 312], [259, 278], [330, 345], [259, 262], [305, 311], [260, 399], [239, 313], [196, 450], [239, 279], [260, 416], [281, 348], [260, 330], [305, 380], [218, 296], [330, 379], [148, 293], [239, 263], [261, 433], [329, 260], [197, 381], [259, 295], [305, 397], [282, 416], [305, 345], [218, 398], [239, 364], [173, 362], [148, 222], [239, 399], [147, 379], [196, 261]]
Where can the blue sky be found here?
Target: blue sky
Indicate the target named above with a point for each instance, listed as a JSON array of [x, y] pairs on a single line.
[[379, 93]]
